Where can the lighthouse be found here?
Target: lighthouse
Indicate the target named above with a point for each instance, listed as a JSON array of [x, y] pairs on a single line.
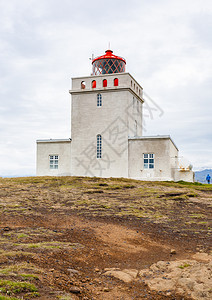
[[102, 118], [106, 138]]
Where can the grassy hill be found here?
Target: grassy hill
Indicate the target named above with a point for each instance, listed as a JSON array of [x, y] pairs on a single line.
[[51, 225]]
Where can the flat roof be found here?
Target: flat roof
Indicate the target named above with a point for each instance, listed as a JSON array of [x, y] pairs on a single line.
[[54, 141], [153, 137]]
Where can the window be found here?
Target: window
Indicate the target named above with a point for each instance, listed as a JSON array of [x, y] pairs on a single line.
[[135, 128], [149, 161], [83, 85], [105, 83], [93, 84], [116, 82], [99, 146], [134, 106], [53, 161], [99, 100]]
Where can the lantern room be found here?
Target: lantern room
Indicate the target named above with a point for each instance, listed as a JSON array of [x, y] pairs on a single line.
[[108, 64]]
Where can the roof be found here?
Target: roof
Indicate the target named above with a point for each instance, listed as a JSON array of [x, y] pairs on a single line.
[[54, 141], [109, 54], [154, 137]]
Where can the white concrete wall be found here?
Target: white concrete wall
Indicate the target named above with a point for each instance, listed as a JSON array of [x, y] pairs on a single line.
[[185, 175], [114, 120], [110, 121], [178, 174], [160, 147], [173, 160], [125, 80], [46, 148], [135, 119]]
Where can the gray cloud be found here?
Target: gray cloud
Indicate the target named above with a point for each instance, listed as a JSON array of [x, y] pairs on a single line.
[[43, 43]]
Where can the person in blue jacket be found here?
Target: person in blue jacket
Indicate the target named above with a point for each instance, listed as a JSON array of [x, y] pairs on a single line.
[[208, 178]]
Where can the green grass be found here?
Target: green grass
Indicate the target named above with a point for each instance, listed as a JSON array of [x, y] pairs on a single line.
[[8, 298], [7, 286], [20, 268], [31, 295], [29, 276], [114, 187], [129, 186], [94, 192], [5, 253], [192, 194], [197, 216], [182, 197], [48, 245], [189, 183], [65, 297], [21, 235], [184, 266]]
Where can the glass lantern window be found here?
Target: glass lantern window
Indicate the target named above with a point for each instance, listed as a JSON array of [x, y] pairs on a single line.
[[108, 66]]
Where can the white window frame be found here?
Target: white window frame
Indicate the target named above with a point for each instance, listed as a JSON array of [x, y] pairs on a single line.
[[99, 146], [99, 100], [149, 161], [54, 162]]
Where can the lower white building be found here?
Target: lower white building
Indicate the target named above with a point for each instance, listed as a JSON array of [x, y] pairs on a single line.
[[106, 132]]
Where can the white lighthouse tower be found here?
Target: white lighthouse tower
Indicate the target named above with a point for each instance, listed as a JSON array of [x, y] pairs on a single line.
[[102, 118], [106, 131]]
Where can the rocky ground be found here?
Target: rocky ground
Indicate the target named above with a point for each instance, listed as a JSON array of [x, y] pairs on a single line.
[[89, 238]]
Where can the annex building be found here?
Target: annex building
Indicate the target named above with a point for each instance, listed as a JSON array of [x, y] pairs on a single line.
[[106, 138]]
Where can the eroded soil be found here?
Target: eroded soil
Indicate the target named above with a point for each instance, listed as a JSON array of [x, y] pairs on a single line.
[[60, 234]]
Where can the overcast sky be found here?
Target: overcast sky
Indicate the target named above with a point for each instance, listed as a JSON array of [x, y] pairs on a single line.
[[43, 43]]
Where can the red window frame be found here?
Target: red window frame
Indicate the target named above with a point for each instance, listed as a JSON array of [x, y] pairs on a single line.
[[93, 84], [116, 82], [104, 82]]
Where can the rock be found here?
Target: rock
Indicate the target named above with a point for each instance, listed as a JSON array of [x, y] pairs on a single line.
[[204, 257], [75, 290], [131, 272], [97, 270], [106, 289], [6, 228], [125, 275], [173, 251], [112, 269], [184, 277], [73, 272]]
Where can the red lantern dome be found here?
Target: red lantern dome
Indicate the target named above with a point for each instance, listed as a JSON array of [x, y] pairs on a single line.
[[108, 64]]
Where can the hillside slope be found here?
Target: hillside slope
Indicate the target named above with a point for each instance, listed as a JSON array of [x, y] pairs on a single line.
[[200, 176], [95, 238]]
